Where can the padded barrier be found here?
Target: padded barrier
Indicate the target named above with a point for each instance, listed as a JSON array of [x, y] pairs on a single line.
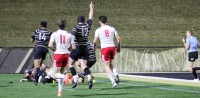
[[128, 60]]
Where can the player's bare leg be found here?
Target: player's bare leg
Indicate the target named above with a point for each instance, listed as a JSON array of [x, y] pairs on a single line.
[[110, 73], [73, 72], [37, 63], [59, 77], [87, 72], [79, 70], [190, 65], [114, 72]]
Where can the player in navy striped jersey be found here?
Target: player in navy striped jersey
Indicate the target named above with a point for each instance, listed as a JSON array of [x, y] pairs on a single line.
[[41, 37], [81, 32], [91, 60]]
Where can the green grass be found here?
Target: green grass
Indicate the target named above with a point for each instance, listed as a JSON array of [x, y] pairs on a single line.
[[139, 22], [101, 89]]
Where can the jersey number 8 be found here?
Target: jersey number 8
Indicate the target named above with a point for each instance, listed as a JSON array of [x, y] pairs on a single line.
[[106, 33]]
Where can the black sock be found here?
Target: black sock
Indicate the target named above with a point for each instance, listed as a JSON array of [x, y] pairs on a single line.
[[194, 71], [37, 74], [73, 71]]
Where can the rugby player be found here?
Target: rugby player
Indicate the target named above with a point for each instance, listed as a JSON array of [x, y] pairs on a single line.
[[106, 35], [41, 36], [81, 33], [62, 40], [91, 60]]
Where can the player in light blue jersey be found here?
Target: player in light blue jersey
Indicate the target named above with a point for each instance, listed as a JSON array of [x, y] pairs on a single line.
[[191, 44]]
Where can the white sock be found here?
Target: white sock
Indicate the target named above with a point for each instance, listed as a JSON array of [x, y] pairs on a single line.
[[111, 77], [59, 75], [49, 74], [89, 77], [60, 78], [115, 72], [60, 84], [75, 78]]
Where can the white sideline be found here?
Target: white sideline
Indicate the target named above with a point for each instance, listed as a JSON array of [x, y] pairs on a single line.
[[24, 61], [156, 79], [165, 88], [160, 78], [162, 88]]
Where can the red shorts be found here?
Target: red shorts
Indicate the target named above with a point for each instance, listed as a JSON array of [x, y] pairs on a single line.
[[60, 60], [107, 54]]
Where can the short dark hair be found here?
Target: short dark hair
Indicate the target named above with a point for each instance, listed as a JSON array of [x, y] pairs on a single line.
[[81, 19], [43, 24], [62, 24], [103, 19]]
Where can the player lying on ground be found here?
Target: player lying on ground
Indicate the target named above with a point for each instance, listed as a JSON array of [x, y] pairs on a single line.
[[29, 75]]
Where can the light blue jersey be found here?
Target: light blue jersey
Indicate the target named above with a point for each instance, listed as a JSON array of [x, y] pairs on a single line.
[[193, 43]]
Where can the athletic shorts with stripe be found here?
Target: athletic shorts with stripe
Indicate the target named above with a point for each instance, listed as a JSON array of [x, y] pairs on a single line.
[[107, 54], [60, 60], [192, 56]]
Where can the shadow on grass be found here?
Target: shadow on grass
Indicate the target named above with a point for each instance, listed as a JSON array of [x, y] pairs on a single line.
[[95, 95], [5, 85], [136, 87]]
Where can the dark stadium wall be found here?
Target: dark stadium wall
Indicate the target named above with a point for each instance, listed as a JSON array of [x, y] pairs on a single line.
[[16, 60]]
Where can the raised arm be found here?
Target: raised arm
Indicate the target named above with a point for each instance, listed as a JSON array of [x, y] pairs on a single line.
[[91, 10]]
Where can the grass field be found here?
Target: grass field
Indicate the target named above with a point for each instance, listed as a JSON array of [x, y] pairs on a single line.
[[101, 89], [139, 22]]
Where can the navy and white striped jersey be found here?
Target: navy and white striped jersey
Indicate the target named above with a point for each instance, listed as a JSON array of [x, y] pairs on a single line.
[[91, 52], [81, 33], [42, 37]]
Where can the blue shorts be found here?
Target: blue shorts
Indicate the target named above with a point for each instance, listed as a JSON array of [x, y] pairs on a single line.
[[81, 52], [40, 52]]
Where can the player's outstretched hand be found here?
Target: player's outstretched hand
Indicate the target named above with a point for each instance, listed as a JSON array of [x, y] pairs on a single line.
[[91, 4]]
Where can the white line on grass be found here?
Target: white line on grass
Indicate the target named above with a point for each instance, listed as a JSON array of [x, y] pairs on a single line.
[[68, 89], [163, 88]]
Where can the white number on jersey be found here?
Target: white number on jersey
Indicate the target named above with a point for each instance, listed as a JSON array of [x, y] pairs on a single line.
[[42, 36], [85, 32]]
